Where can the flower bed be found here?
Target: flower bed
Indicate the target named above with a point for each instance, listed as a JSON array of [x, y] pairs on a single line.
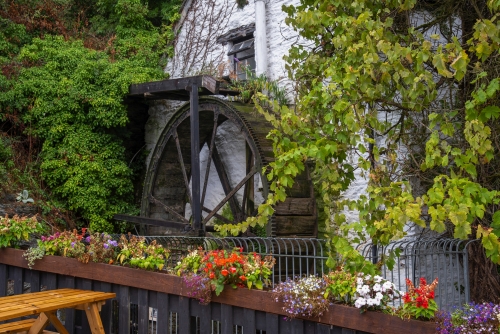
[[336, 315]]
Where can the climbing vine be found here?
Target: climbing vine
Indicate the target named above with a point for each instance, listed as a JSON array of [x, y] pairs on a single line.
[[403, 94]]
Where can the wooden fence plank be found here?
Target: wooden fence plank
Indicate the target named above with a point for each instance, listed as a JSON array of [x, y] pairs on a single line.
[[84, 284], [17, 275], [260, 320], [48, 281], [309, 327], [297, 326], [205, 319], [34, 280], [3, 280], [163, 313], [226, 314], [183, 316], [249, 321], [107, 309], [143, 312], [322, 329], [124, 309], [69, 318], [272, 323]]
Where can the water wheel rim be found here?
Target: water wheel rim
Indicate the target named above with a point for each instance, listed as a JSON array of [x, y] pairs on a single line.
[[220, 112]]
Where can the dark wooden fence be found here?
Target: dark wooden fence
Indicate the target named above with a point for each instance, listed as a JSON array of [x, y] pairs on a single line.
[[150, 302]]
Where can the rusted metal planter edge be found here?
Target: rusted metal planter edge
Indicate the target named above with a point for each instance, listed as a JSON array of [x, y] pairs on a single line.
[[337, 315]]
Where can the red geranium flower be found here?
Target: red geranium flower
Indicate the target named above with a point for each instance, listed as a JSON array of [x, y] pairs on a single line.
[[224, 272]]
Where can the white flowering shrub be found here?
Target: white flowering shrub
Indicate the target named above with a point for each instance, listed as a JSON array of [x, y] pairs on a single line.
[[374, 292]]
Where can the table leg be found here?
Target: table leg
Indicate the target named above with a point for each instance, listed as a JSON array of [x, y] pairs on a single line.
[[94, 318], [56, 322], [40, 323]]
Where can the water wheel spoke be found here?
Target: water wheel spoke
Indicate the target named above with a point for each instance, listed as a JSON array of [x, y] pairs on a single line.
[[224, 219], [248, 192], [230, 195], [226, 185], [169, 209], [183, 168], [209, 159]]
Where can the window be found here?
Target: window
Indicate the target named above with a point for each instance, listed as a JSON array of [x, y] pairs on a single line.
[[243, 57]]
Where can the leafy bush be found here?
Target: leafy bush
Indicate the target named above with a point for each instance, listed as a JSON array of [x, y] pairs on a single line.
[[135, 252], [17, 229], [341, 286], [70, 97]]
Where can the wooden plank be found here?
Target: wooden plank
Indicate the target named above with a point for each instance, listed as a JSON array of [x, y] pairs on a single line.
[[143, 312], [3, 280], [295, 225], [94, 318], [106, 309], [249, 321], [84, 284], [226, 319], [284, 325], [297, 326], [260, 321], [309, 327], [183, 315], [124, 309], [40, 323], [322, 329], [300, 189], [296, 207], [35, 280], [17, 275], [56, 322], [163, 313], [48, 280], [17, 326], [205, 319], [69, 320], [172, 85]]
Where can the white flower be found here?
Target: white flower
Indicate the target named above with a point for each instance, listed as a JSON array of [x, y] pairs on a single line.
[[359, 281], [379, 296], [387, 285], [376, 287], [360, 302], [364, 289], [377, 279]]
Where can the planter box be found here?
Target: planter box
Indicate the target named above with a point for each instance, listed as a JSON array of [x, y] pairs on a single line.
[[338, 315]]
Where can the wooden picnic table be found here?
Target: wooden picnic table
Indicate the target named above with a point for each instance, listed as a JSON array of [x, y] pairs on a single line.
[[45, 304]]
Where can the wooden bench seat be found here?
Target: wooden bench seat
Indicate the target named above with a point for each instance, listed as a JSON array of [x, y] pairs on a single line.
[[16, 326]]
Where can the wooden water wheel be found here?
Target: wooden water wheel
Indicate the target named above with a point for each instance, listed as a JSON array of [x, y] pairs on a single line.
[[167, 194]]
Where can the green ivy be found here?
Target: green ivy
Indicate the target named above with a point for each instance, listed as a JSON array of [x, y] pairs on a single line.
[[371, 103]]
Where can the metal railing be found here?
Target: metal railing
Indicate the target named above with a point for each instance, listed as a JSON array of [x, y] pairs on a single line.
[[429, 258]]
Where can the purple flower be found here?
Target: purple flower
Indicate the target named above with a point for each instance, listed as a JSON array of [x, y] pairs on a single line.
[[106, 246], [87, 239], [73, 244]]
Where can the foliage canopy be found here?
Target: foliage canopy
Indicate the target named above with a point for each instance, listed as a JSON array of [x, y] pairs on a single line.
[[63, 82], [403, 93]]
